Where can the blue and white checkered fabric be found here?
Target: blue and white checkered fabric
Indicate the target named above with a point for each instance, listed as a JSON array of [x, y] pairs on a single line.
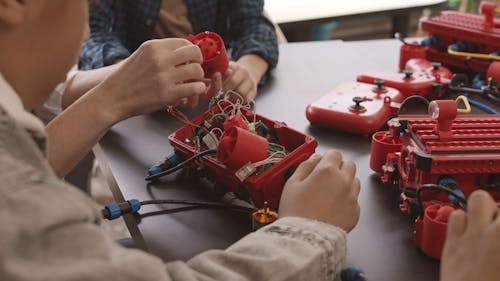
[[119, 27]]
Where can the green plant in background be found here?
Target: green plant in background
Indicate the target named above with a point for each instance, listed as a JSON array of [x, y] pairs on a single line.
[[464, 5], [454, 4]]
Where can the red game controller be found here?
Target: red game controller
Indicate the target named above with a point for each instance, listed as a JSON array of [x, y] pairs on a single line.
[[419, 65], [355, 107], [420, 78], [214, 53]]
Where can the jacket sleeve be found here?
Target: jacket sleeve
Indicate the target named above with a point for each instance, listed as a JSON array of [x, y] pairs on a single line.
[[103, 47], [53, 235], [50, 231], [252, 32], [289, 249]]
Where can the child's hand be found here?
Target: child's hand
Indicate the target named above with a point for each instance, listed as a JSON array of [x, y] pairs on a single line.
[[472, 248], [159, 73], [239, 79], [323, 188], [214, 85]]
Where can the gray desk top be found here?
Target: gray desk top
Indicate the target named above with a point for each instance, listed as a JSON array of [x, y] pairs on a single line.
[[381, 244]]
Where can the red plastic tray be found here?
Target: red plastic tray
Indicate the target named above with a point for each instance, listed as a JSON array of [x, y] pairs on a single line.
[[265, 187]]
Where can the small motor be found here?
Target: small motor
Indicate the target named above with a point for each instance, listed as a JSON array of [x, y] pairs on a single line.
[[263, 217]]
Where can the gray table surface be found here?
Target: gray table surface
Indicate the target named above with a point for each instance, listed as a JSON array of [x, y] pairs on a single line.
[[381, 244]]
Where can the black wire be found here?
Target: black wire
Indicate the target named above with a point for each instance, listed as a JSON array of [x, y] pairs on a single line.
[[493, 97], [139, 216], [460, 198], [199, 204], [180, 165], [191, 205], [168, 211]]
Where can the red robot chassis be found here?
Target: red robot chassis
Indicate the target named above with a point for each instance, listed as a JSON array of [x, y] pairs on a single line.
[[461, 152], [259, 188], [238, 149], [460, 32]]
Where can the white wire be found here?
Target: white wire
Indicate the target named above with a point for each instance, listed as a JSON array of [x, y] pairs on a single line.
[[283, 149], [225, 109], [266, 161], [240, 99], [219, 130], [269, 160]]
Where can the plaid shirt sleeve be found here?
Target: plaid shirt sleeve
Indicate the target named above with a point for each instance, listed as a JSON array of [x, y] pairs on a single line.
[[253, 33], [103, 47]]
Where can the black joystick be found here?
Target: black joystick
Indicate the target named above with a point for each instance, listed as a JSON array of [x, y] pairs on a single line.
[[357, 103], [380, 86], [408, 74], [436, 66]]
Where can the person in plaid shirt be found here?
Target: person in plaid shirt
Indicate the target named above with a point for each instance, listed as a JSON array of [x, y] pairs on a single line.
[[118, 28]]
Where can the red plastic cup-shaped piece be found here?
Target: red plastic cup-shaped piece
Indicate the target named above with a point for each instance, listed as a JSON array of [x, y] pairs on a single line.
[[239, 147], [214, 53], [381, 146], [434, 229], [235, 121], [444, 213], [494, 71], [407, 52]]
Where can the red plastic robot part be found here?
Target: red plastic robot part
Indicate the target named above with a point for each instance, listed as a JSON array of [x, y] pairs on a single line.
[[494, 71], [235, 121], [444, 111], [408, 51], [239, 147], [488, 9], [214, 53], [384, 144], [430, 232]]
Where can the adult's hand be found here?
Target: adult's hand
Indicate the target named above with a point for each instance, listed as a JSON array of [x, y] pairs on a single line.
[[244, 75]]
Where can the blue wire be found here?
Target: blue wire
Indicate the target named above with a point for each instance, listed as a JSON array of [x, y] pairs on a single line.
[[481, 106]]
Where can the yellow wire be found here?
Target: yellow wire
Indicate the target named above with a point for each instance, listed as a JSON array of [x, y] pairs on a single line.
[[473, 55], [465, 101]]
